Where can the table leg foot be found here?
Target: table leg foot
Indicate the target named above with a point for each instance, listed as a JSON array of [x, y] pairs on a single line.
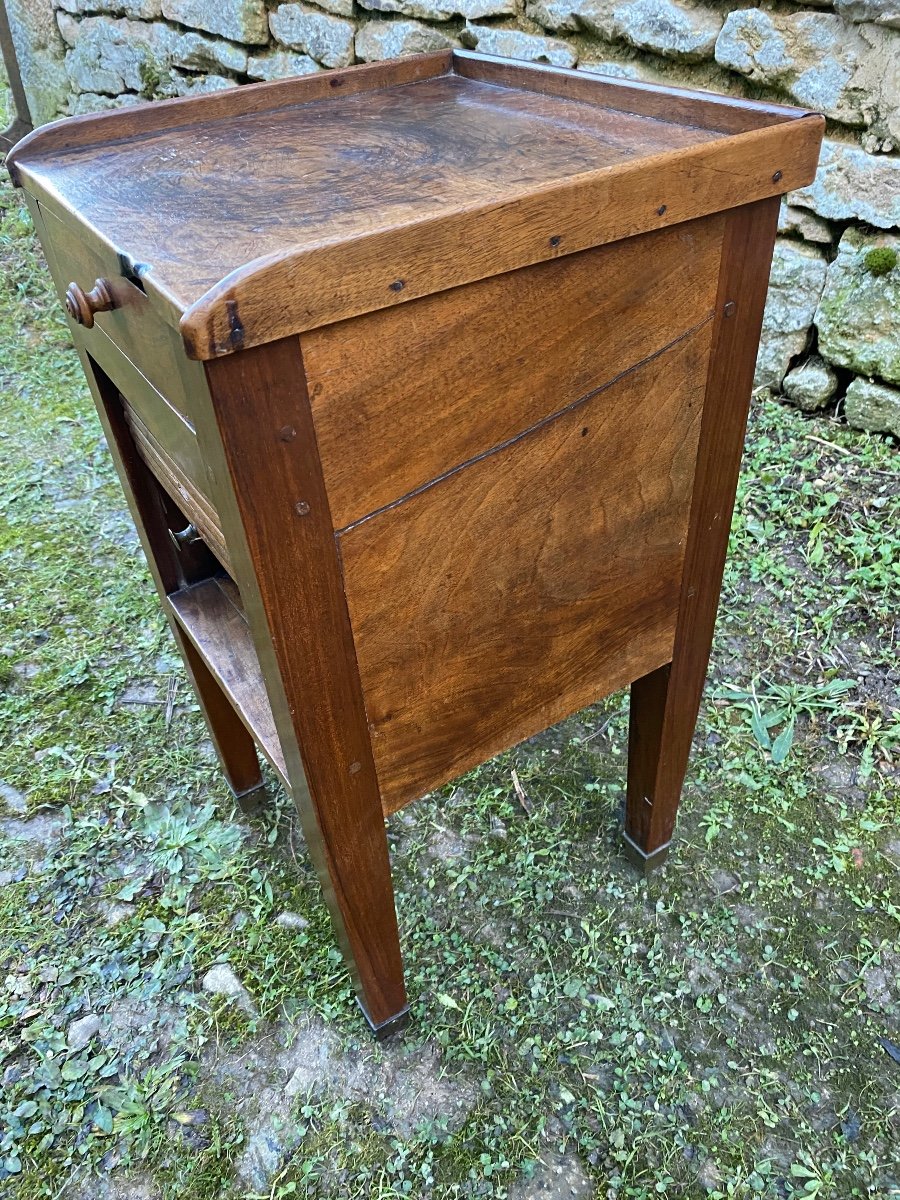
[[645, 863], [252, 800], [387, 1028]]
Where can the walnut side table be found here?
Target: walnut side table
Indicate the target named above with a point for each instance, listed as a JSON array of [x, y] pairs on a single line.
[[426, 382]]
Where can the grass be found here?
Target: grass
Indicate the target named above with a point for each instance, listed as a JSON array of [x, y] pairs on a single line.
[[725, 1029]]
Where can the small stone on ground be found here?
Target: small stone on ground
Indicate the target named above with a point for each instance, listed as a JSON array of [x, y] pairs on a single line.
[[13, 800], [222, 981], [291, 920], [82, 1032]]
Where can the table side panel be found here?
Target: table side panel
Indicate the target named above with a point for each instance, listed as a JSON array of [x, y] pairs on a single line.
[[531, 583], [402, 395]]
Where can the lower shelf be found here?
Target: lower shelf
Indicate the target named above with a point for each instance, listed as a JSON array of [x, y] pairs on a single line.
[[208, 613]]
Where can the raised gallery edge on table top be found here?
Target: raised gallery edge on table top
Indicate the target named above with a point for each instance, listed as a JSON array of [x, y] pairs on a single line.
[[253, 214]]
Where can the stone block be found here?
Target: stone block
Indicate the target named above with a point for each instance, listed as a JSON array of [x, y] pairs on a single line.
[[327, 39], [573, 16], [339, 8], [873, 406], [280, 65], [847, 72], [511, 43], [40, 54], [475, 10], [239, 20], [853, 185], [812, 385], [87, 102], [377, 40], [666, 72], [795, 288], [800, 222], [199, 85], [614, 69], [86, 75], [858, 316], [91, 102], [443, 10], [199, 53], [137, 10], [110, 56], [68, 28], [668, 28], [879, 12]]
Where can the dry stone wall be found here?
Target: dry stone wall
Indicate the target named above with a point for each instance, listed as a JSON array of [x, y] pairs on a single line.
[[832, 324]]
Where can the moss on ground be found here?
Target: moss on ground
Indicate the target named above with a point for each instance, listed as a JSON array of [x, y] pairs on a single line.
[[723, 1029]]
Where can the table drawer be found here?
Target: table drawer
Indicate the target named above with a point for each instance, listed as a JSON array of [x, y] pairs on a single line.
[[145, 360], [195, 505], [133, 325]]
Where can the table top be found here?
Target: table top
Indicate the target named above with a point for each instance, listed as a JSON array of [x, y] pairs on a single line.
[[248, 186], [197, 196]]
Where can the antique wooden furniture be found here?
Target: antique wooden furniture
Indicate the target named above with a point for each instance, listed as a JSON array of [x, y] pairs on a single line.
[[427, 383]]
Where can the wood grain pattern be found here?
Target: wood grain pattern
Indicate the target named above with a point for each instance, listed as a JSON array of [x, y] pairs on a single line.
[[665, 706], [393, 194], [125, 124], [368, 162], [668, 103], [683, 106], [402, 395], [281, 293], [295, 601], [531, 583]]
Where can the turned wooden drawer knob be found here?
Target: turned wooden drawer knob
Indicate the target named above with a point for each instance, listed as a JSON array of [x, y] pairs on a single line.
[[185, 537], [82, 305]]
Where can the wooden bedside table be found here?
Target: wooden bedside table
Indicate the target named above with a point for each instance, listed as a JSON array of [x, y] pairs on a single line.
[[427, 384]]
